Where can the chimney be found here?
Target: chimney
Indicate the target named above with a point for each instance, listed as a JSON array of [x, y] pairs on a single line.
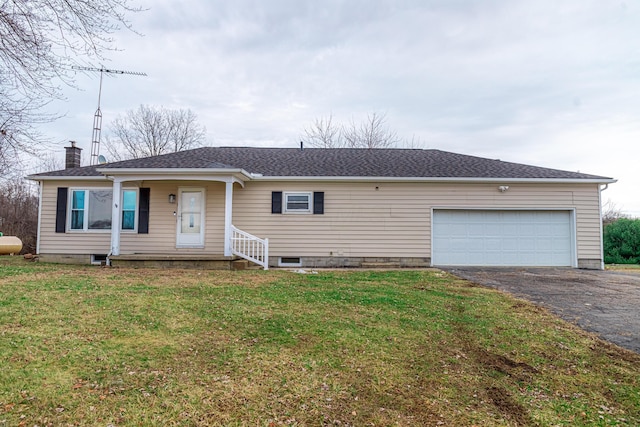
[[72, 157]]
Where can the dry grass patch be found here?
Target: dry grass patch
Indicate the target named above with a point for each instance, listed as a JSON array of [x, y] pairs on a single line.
[[627, 268], [95, 346]]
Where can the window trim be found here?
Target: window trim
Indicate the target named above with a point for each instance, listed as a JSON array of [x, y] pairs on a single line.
[[86, 228], [98, 259], [285, 200], [136, 211], [70, 211]]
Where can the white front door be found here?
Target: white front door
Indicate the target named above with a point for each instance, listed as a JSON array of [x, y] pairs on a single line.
[[191, 218]]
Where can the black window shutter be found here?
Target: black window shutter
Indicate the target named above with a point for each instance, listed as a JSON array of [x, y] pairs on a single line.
[[276, 202], [61, 210], [143, 212], [318, 202]]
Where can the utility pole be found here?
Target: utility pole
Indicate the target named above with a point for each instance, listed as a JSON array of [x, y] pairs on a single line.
[[97, 118]]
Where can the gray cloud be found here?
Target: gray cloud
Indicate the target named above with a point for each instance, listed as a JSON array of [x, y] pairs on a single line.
[[543, 82]]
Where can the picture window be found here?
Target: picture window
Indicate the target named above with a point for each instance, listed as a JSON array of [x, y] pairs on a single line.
[[91, 209]]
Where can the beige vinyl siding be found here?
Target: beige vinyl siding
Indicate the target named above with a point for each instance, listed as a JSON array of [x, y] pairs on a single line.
[[162, 222], [77, 242], [360, 220], [394, 220], [355, 222]]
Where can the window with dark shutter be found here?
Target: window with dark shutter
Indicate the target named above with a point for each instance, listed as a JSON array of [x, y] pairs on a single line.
[[276, 202], [318, 202], [61, 209]]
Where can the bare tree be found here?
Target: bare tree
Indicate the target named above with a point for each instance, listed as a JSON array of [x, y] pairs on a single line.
[[414, 143], [40, 42], [611, 212], [370, 133], [324, 133], [49, 161], [19, 212], [151, 131]]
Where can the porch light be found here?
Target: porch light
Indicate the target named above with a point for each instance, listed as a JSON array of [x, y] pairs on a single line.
[[172, 198]]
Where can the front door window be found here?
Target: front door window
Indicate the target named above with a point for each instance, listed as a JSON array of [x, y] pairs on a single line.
[[191, 218]]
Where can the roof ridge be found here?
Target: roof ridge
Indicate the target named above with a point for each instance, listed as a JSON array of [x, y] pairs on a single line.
[[342, 162]]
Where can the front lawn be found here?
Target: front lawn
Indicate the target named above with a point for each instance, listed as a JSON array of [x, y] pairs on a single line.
[[100, 346]]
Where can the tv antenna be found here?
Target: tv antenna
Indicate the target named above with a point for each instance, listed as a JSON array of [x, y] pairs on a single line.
[[97, 117]]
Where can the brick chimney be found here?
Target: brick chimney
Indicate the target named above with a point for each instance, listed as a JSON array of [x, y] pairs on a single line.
[[72, 157]]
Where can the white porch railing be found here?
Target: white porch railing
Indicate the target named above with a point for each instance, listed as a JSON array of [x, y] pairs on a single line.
[[250, 247]]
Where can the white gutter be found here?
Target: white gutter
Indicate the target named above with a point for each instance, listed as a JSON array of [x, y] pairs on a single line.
[[436, 179], [243, 175], [157, 175], [66, 178]]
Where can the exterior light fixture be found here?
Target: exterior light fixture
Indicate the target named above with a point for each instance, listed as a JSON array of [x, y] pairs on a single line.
[[172, 198], [503, 188]]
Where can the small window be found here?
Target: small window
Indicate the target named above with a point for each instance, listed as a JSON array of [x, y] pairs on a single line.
[[129, 202], [289, 262], [297, 202], [77, 210]]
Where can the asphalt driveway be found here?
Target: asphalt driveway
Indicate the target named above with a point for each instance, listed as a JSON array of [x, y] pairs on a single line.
[[604, 302]]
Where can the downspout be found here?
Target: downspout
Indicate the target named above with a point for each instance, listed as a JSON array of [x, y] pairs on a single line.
[[601, 189], [40, 191], [228, 217]]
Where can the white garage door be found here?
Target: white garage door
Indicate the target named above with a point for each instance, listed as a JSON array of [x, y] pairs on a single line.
[[502, 238]]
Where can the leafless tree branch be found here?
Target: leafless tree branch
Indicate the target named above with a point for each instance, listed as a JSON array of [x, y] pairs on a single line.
[[40, 40], [151, 131], [19, 212], [611, 212], [323, 133], [370, 133]]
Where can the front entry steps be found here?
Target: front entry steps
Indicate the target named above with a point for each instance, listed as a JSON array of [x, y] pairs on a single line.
[[186, 261]]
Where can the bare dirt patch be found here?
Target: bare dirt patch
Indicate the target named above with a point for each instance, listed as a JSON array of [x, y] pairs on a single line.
[[510, 409]]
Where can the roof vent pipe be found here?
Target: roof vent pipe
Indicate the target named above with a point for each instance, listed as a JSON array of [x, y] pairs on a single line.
[[301, 146]]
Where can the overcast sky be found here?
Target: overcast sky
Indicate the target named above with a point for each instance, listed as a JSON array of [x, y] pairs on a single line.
[[547, 83]]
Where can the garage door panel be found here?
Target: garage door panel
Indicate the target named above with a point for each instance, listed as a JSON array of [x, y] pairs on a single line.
[[507, 238], [508, 243], [506, 229], [475, 229], [493, 244]]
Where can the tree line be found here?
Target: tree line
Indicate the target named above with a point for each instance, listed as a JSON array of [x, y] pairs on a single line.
[[621, 236]]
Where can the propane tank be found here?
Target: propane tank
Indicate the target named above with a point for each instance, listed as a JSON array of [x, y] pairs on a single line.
[[10, 245]]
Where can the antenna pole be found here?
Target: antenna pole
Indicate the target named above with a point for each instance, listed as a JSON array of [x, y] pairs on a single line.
[[97, 117]]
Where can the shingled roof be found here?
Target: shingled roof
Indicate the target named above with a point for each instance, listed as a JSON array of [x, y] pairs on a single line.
[[334, 162]]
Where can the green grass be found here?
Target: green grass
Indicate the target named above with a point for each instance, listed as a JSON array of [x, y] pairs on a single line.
[[96, 346]]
